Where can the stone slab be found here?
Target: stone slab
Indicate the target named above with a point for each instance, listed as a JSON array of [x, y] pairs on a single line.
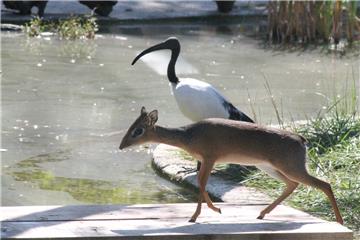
[[161, 221]]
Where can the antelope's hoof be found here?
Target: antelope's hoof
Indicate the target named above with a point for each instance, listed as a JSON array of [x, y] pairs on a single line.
[[192, 220], [215, 209], [260, 217], [340, 221]]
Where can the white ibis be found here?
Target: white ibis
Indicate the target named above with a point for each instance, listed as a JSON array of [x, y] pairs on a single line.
[[197, 100]]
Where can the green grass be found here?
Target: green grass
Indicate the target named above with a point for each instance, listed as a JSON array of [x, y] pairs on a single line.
[[333, 155], [340, 167]]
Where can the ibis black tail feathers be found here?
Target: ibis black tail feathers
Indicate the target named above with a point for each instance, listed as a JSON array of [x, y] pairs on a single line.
[[235, 114]]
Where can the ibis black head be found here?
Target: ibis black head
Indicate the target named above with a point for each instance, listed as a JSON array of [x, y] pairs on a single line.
[[172, 44]]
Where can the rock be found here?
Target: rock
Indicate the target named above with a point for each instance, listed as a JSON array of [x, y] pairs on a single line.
[[102, 8], [11, 27], [225, 6], [24, 7]]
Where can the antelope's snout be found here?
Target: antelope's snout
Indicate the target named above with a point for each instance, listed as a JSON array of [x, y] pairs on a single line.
[[124, 144]]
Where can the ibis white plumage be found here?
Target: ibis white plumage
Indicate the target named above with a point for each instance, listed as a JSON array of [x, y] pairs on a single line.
[[197, 100]]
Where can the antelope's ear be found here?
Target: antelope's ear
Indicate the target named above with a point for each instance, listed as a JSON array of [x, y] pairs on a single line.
[[152, 117], [143, 110]]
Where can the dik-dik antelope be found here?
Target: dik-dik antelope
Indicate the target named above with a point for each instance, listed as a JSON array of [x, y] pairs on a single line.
[[280, 153]]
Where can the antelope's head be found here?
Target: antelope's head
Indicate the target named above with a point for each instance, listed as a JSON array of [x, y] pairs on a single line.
[[140, 131]]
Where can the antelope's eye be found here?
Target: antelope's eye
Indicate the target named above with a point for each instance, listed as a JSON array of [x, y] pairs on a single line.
[[137, 132]]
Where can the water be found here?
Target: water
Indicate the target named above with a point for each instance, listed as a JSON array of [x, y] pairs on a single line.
[[67, 104]]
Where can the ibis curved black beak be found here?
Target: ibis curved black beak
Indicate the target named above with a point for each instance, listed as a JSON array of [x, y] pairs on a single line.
[[172, 44]]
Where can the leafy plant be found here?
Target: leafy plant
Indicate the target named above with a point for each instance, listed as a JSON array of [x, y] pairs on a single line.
[[72, 28], [77, 27], [36, 26]]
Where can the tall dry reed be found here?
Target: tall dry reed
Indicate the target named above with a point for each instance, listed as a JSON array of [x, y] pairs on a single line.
[[313, 21]]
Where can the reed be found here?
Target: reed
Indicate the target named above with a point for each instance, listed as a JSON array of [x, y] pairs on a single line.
[[313, 21]]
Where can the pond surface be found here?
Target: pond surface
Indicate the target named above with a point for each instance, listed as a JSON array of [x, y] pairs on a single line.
[[67, 104]]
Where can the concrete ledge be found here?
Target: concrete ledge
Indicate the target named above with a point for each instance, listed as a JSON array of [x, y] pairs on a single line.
[[157, 221]]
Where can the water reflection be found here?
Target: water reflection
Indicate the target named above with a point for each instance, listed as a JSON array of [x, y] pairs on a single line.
[[86, 190], [77, 49]]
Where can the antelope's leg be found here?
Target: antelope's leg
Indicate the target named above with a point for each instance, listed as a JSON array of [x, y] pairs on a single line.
[[305, 178], [203, 176], [298, 173], [290, 187], [198, 209], [210, 203]]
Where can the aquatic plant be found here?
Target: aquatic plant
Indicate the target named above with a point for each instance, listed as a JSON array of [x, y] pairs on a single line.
[[313, 21], [76, 27], [36, 26]]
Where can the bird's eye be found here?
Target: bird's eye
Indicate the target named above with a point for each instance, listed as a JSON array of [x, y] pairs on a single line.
[[137, 132]]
